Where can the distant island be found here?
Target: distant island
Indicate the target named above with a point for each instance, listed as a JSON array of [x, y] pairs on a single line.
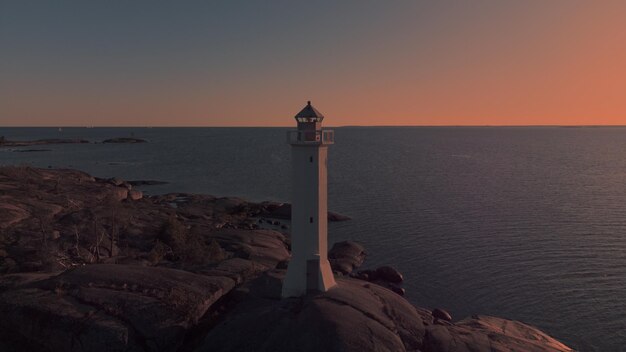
[[91, 264], [124, 140], [10, 143]]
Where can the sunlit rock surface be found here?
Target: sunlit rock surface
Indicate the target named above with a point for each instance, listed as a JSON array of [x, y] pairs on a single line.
[[484, 333]]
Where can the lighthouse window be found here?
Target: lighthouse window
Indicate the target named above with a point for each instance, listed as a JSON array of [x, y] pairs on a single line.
[[311, 219], [311, 159]]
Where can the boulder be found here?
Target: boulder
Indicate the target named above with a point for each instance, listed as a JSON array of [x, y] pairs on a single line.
[[367, 275], [441, 314], [135, 194], [399, 290], [346, 256], [389, 274], [116, 181], [119, 193]]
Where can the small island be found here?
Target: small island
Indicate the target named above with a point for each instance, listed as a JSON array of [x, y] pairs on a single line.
[[90, 264], [4, 142], [9, 143], [127, 140]]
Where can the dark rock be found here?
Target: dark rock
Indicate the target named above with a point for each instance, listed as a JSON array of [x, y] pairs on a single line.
[[115, 181], [441, 314], [387, 273], [361, 275], [346, 256], [399, 290], [119, 193], [368, 275], [135, 195]]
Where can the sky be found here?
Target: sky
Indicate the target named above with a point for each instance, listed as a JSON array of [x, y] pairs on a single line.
[[361, 62]]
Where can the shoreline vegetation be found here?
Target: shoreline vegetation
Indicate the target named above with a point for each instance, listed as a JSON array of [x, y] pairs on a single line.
[[91, 264]]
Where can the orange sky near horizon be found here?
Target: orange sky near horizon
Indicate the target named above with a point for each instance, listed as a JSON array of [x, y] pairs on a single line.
[[464, 63]]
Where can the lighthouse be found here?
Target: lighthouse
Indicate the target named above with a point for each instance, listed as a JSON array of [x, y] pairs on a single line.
[[309, 269]]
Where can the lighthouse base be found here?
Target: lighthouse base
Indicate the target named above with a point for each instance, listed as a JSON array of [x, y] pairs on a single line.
[[306, 276]]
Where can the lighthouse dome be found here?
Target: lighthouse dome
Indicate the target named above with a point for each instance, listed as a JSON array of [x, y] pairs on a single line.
[[309, 114]]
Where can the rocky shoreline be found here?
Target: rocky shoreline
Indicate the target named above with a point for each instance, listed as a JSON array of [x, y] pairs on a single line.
[[90, 264]]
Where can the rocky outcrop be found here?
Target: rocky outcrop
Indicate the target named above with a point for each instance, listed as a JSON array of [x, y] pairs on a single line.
[[354, 316], [488, 334], [388, 274], [385, 276], [440, 314], [346, 256], [87, 264], [359, 316], [113, 307]]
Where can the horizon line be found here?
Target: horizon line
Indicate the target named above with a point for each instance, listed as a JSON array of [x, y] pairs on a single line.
[[292, 126]]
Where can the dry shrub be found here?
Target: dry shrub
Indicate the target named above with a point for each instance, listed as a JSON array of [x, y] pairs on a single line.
[[187, 247], [157, 253], [215, 251]]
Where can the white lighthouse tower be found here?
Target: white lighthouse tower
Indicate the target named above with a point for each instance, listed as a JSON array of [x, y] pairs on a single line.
[[309, 270]]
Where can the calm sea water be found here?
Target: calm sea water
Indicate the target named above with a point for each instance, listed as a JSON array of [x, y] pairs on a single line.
[[524, 223]]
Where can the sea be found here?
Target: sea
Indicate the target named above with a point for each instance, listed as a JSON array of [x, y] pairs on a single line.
[[526, 223]]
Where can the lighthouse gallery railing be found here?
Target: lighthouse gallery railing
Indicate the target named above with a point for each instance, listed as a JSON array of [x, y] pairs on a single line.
[[311, 137]]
